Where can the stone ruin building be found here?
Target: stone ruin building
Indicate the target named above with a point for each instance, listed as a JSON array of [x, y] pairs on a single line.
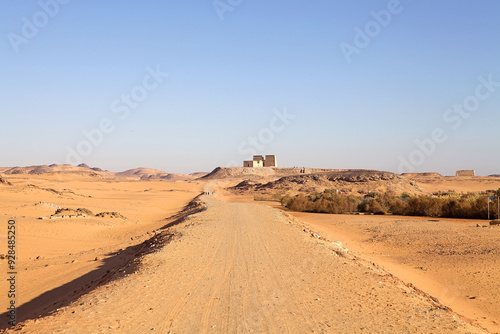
[[465, 173], [260, 161]]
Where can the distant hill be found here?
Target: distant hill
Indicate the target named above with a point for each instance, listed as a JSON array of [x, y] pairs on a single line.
[[427, 174], [154, 174], [56, 169], [83, 169], [143, 173]]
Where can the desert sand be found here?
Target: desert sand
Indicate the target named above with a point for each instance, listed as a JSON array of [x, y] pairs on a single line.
[[237, 266], [453, 260], [58, 255]]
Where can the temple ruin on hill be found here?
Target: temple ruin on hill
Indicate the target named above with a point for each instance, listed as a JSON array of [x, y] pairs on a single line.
[[470, 172], [260, 161]]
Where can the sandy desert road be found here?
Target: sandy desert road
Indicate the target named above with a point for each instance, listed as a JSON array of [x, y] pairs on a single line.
[[238, 268]]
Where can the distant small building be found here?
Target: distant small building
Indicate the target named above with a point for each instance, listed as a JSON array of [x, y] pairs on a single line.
[[259, 161], [465, 172]]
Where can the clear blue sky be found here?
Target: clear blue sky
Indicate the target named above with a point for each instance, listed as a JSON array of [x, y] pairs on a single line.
[[227, 79]]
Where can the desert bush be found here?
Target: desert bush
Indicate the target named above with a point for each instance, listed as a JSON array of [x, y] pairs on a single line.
[[372, 194], [299, 203], [377, 208], [285, 200], [446, 204], [270, 198], [364, 206], [405, 195], [326, 202], [372, 206], [424, 206], [399, 206]]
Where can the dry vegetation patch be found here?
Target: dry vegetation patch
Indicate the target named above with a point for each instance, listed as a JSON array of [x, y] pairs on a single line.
[[110, 215]]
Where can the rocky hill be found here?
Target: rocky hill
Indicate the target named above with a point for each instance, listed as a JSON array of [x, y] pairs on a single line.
[[345, 181], [256, 173], [4, 181]]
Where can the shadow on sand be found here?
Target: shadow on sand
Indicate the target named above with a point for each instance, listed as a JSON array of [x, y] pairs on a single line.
[[116, 266]]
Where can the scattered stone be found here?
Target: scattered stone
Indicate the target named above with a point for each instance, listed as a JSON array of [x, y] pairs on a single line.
[[4, 181], [339, 248], [110, 215]]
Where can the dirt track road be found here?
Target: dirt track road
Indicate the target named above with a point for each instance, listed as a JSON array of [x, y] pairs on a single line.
[[248, 268]]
